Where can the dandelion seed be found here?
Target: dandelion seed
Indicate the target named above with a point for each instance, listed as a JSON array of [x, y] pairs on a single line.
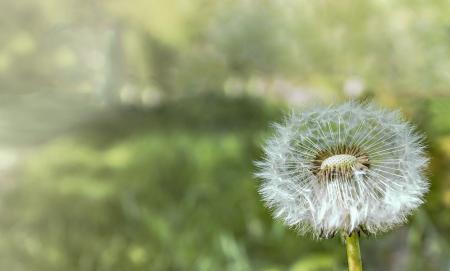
[[346, 169]]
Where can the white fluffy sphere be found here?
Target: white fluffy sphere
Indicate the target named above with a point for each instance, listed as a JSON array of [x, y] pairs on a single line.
[[346, 168]]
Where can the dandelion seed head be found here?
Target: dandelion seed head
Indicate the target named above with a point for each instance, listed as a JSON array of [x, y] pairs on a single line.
[[342, 169]]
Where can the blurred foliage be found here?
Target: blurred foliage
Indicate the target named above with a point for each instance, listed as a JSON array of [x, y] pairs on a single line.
[[167, 195], [134, 125]]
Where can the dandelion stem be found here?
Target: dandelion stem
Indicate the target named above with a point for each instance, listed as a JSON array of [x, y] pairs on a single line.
[[353, 252]]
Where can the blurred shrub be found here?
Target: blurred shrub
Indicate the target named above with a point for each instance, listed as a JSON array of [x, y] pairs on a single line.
[[173, 190]]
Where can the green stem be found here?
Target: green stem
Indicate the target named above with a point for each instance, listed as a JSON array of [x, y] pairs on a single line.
[[353, 252]]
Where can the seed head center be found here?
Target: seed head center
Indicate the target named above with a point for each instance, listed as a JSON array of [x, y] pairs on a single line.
[[339, 161]]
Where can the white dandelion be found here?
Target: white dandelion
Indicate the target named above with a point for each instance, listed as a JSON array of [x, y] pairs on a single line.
[[343, 169]]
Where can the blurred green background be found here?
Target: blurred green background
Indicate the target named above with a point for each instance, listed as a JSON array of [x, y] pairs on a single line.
[[128, 129]]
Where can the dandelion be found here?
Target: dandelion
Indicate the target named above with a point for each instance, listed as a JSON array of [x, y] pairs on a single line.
[[345, 169]]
